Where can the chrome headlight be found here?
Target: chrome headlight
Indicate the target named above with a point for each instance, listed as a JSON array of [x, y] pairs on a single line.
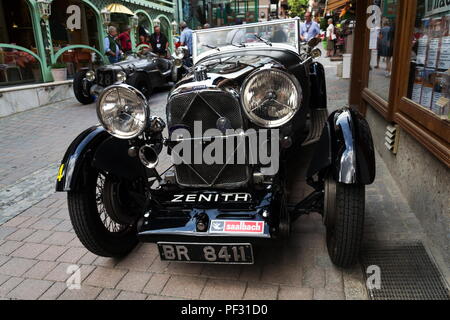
[[271, 97], [123, 111], [121, 76], [90, 75]]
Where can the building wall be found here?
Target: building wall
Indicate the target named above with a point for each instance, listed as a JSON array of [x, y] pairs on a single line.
[[423, 180]]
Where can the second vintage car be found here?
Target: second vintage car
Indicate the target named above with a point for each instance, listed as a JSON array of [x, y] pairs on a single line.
[[239, 126], [144, 71]]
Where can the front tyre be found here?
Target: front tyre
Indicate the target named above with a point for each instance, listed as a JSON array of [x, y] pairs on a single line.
[[100, 232], [344, 221], [82, 88]]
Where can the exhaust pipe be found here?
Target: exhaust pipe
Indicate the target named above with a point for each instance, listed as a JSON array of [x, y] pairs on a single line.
[[148, 156]]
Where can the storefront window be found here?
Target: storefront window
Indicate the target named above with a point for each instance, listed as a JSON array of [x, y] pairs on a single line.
[[16, 28], [63, 37], [429, 84], [382, 48]]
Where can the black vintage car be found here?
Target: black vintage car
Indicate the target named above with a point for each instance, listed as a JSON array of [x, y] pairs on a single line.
[[143, 71], [213, 206]]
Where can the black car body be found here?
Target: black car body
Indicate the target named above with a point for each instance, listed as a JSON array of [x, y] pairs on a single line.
[[144, 71], [216, 213]]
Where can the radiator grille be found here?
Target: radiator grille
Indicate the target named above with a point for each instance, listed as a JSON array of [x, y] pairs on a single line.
[[207, 106]]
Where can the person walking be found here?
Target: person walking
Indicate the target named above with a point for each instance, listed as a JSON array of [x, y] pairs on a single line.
[[386, 47], [331, 38], [159, 43], [309, 29], [186, 40], [125, 40], [112, 49]]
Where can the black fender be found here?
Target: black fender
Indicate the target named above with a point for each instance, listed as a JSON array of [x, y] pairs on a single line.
[[346, 149], [318, 86], [95, 147]]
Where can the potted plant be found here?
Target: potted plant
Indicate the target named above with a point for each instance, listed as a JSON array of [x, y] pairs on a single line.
[[59, 71]]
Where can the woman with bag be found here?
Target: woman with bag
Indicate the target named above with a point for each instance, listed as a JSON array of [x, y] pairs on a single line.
[[331, 37]]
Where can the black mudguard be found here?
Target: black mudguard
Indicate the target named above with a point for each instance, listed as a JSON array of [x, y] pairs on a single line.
[[346, 148], [97, 148], [318, 86]]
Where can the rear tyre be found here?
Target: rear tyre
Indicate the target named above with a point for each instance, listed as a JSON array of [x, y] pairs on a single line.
[[344, 221], [81, 90], [100, 232], [141, 82]]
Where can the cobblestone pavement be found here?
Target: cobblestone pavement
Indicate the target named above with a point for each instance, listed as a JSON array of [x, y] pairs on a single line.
[[37, 242]]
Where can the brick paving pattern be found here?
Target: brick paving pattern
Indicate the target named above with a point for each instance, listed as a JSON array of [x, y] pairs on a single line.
[[37, 245]]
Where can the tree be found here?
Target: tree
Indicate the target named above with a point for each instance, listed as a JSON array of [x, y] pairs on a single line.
[[298, 7]]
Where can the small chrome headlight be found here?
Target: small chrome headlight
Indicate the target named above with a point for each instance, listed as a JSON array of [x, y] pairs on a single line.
[[316, 53], [271, 97], [121, 76], [123, 111], [90, 75]]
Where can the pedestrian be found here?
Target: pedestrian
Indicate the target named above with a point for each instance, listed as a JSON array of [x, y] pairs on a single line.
[[186, 36], [309, 29], [331, 37], [186, 40], [159, 43], [386, 46], [125, 40], [112, 49]]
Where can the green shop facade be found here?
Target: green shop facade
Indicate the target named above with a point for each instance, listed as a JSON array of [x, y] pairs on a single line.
[[38, 35]]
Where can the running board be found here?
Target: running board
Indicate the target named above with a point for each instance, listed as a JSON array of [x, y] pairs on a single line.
[[318, 118]]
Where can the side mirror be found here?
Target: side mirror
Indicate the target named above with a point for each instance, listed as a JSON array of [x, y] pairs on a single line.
[[314, 42]]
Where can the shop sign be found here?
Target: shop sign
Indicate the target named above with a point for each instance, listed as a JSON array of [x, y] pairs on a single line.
[[435, 7]]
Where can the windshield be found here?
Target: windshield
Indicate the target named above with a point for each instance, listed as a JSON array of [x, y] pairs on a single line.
[[265, 33]]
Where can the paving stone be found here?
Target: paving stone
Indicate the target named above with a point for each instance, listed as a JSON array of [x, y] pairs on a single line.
[[29, 250], [40, 270], [223, 289], [156, 283], [3, 259], [134, 281], [184, 287], [59, 238], [221, 271], [52, 253], [9, 246], [105, 262], [334, 279], [313, 277], [108, 294], [105, 277], [325, 294], [64, 226], [159, 266], [72, 255], [85, 293], [30, 289], [136, 262], [38, 236], [251, 273], [9, 285], [54, 291], [295, 293], [282, 274], [259, 291], [29, 222], [6, 231], [88, 258], [4, 278], [60, 272], [46, 224], [21, 234], [16, 221], [17, 266], [127, 295]]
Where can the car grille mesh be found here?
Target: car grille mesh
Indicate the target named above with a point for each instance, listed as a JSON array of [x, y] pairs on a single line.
[[207, 106]]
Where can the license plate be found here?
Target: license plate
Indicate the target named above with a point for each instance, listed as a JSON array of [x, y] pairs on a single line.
[[234, 253]]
